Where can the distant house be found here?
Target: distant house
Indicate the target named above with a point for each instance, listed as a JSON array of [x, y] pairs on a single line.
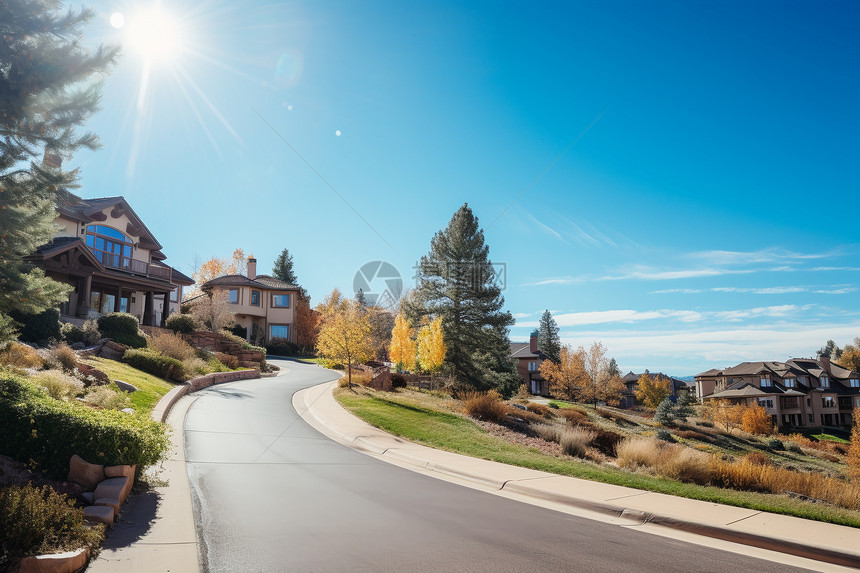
[[631, 383], [799, 393], [528, 359], [262, 303], [115, 264]]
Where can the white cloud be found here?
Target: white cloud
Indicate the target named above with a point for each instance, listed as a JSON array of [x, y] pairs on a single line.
[[647, 274], [556, 281], [843, 290], [765, 290], [768, 255]]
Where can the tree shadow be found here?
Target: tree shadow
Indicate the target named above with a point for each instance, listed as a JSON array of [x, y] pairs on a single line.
[[134, 521]]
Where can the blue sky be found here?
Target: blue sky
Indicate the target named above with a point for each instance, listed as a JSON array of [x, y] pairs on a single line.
[[676, 179]]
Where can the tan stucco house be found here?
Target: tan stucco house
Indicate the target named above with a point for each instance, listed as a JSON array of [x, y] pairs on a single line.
[[115, 264], [261, 302], [527, 359]]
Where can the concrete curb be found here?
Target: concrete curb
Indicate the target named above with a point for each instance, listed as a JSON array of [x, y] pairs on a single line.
[[162, 409], [311, 403]]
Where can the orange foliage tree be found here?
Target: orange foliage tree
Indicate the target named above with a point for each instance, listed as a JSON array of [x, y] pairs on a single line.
[[402, 349], [756, 420], [853, 458], [724, 413], [431, 346], [651, 390], [307, 323], [583, 375]]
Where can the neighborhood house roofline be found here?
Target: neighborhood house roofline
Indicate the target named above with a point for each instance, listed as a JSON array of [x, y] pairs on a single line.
[[263, 282], [88, 210]]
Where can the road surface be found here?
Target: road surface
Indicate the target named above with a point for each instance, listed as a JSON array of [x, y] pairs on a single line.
[[272, 494]]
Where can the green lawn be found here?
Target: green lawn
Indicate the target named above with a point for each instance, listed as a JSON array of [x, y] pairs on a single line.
[[454, 433], [831, 438], [150, 388]]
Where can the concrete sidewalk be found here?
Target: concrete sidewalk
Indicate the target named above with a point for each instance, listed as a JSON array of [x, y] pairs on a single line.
[[155, 531], [822, 542]]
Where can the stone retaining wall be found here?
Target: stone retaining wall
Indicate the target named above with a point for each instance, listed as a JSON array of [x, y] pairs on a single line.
[[162, 409], [216, 343]]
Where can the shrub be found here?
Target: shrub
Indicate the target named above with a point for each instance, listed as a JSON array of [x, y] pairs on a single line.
[[398, 381], [757, 459], [665, 436], [693, 435], [548, 432], [775, 445], [282, 347], [122, 328], [524, 415], [553, 405], [214, 365], [38, 520], [487, 406], [154, 363], [756, 420], [574, 441], [539, 409], [91, 332], [71, 333], [62, 356], [637, 452], [38, 328], [57, 384], [665, 413], [853, 459], [669, 460], [227, 360], [573, 416], [180, 323], [21, 356], [49, 432], [171, 345], [606, 441], [107, 398]]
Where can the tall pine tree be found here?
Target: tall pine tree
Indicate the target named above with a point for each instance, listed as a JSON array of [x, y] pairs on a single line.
[[456, 281], [283, 268], [45, 95], [548, 340]]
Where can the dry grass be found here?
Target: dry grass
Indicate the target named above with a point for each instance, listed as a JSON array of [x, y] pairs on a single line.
[[573, 416], [21, 356], [172, 345], [227, 360], [574, 441], [758, 459], [107, 398], [548, 432], [669, 460], [487, 406], [57, 384], [61, 356]]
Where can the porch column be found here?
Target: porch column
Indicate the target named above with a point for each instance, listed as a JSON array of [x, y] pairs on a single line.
[[116, 307], [147, 308], [86, 287], [165, 309]]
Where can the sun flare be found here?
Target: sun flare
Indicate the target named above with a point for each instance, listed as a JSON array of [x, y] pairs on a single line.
[[154, 34]]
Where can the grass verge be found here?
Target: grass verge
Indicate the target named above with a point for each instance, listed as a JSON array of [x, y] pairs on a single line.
[[454, 433], [150, 389]]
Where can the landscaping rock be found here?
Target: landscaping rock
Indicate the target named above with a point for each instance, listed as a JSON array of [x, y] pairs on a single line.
[[84, 473], [125, 386], [92, 375], [127, 410], [99, 514], [68, 562], [121, 485], [77, 346], [87, 496]]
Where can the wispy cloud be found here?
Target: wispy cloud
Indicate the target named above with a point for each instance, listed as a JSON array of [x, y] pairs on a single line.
[[765, 290], [841, 289], [647, 274], [622, 316], [768, 255]]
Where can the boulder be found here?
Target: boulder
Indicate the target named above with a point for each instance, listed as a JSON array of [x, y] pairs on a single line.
[[99, 514], [84, 473], [120, 483], [68, 562], [125, 386], [77, 346]]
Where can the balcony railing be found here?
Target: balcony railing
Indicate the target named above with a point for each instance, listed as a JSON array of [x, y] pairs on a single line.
[[115, 261]]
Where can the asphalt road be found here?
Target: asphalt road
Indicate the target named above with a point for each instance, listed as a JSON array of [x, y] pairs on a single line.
[[273, 494]]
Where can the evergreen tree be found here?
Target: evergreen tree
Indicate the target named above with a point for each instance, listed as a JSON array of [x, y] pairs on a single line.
[[283, 268], [456, 281], [665, 413], [614, 371], [548, 340], [360, 299], [684, 405], [44, 98]]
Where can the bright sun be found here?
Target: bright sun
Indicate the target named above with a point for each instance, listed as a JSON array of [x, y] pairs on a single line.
[[154, 34]]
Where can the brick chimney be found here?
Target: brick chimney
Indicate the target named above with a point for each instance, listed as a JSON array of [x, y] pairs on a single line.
[[824, 360], [252, 268], [533, 342]]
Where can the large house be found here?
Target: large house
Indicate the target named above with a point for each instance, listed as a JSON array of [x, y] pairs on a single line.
[[113, 261], [528, 359], [264, 306], [799, 393], [631, 383]]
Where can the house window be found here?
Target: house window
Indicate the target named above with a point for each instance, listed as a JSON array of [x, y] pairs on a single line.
[[827, 402], [825, 381], [281, 301], [111, 247], [174, 295], [532, 366], [855, 383], [765, 402], [812, 418], [765, 381], [789, 382], [255, 298], [233, 296], [279, 331]]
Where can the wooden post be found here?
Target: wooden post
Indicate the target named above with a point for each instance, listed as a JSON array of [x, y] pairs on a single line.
[[147, 308], [84, 297]]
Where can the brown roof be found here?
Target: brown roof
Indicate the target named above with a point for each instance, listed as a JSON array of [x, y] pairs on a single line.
[[264, 282], [522, 350], [73, 207]]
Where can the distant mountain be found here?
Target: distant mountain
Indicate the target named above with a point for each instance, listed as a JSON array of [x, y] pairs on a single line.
[[687, 379]]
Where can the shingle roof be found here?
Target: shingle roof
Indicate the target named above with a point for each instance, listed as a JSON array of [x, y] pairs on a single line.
[[264, 282], [77, 208], [521, 350]]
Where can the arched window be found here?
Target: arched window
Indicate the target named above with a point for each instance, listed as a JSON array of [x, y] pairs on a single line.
[[111, 247]]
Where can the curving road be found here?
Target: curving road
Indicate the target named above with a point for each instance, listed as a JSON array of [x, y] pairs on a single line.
[[272, 494]]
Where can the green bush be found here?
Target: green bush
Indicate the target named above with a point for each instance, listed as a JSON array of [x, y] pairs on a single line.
[[665, 436], [72, 333], [35, 521], [34, 427], [282, 347], [180, 323], [122, 328], [155, 363], [38, 328], [775, 445]]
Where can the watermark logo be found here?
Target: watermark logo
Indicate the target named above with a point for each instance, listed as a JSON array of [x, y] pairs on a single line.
[[380, 282], [465, 274]]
